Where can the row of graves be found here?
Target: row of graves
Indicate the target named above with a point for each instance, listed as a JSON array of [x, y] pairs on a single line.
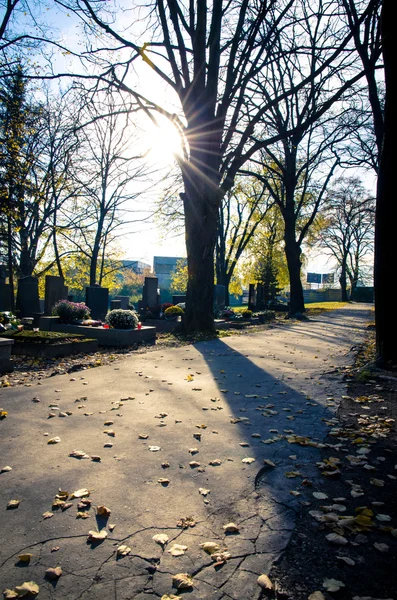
[[41, 333]]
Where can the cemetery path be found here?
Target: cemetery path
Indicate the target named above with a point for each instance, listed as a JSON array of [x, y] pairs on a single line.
[[181, 442]]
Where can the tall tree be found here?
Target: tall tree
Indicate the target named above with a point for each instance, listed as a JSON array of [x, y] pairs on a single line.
[[347, 231], [386, 206], [108, 176], [243, 210], [209, 55]]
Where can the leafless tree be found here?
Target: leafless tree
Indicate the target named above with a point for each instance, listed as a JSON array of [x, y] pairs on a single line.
[[348, 231]]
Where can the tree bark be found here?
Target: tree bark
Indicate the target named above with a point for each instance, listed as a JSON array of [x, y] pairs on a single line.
[[293, 253], [386, 205]]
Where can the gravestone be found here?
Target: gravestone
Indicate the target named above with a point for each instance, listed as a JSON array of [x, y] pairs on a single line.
[[97, 299], [151, 296], [177, 299], [55, 290], [252, 296], [115, 304], [125, 301], [260, 295], [219, 297], [28, 303], [5, 290]]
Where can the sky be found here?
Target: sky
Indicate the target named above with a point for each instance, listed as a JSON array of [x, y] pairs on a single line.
[[148, 239]]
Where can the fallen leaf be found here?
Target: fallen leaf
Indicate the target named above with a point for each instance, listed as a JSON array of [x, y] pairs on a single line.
[[154, 448], [53, 573], [320, 495], [10, 594], [316, 596], [28, 587], [231, 528], [80, 493], [79, 454], [182, 581], [177, 550], [143, 436], [264, 582], [248, 461], [97, 536], [160, 538], [54, 440], [347, 560], [204, 492], [381, 547], [186, 522], [6, 469], [333, 585], [47, 515], [215, 463], [123, 550], [13, 504], [170, 597], [210, 547], [337, 539], [268, 462], [25, 557], [82, 515], [103, 511]]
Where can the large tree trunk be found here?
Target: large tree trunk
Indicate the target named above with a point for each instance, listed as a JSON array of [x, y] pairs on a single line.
[[386, 206], [201, 206], [293, 254]]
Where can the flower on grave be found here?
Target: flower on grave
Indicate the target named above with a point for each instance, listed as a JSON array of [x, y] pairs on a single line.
[[122, 319], [70, 312]]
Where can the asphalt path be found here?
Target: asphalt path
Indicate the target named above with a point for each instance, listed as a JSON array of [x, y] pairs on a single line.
[[170, 432]]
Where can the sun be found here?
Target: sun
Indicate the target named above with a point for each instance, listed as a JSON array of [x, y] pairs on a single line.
[[164, 142]]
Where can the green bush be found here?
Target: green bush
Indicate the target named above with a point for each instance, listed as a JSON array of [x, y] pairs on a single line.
[[246, 314], [70, 312], [122, 319]]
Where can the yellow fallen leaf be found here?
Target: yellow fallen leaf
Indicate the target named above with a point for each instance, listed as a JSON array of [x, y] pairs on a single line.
[[123, 550], [103, 511], [177, 550], [6, 469], [47, 515], [53, 573], [97, 536], [80, 493], [25, 557], [54, 440], [10, 594], [210, 547], [28, 587], [13, 504], [231, 528], [182, 581], [160, 538], [264, 582]]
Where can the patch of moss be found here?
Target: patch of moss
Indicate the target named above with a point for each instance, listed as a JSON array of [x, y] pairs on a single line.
[[42, 337]]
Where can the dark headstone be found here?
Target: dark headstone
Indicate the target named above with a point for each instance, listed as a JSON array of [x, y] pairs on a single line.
[[55, 290], [219, 297], [260, 295], [151, 296], [5, 295], [28, 303], [115, 304], [125, 300], [97, 299], [252, 296]]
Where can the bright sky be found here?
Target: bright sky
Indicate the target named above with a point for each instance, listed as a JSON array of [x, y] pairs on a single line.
[[148, 239]]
